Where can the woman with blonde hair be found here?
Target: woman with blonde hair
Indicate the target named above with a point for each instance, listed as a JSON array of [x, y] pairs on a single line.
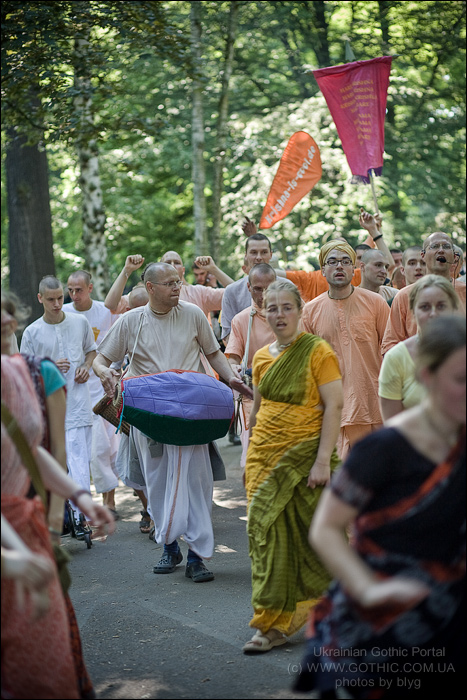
[[294, 424], [399, 389]]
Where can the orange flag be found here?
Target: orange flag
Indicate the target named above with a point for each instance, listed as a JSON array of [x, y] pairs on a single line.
[[298, 172]]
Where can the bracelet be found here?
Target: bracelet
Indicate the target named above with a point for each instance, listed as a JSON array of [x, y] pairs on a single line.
[[74, 496], [55, 532], [376, 238], [126, 274]]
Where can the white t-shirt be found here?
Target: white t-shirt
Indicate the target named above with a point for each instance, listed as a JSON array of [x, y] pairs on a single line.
[[71, 339], [100, 319]]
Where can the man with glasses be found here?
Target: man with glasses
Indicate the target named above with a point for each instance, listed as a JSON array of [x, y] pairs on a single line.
[[352, 320], [208, 299], [168, 334], [439, 255]]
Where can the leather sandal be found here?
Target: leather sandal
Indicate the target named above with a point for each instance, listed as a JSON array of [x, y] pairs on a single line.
[[145, 522]]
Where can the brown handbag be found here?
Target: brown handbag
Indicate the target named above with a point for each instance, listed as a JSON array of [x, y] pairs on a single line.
[[107, 409]]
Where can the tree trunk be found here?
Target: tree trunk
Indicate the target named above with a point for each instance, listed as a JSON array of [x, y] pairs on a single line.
[[93, 214], [384, 21], [221, 148], [30, 242], [321, 46], [197, 134]]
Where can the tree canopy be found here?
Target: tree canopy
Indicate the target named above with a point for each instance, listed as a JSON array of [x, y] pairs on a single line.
[[142, 97]]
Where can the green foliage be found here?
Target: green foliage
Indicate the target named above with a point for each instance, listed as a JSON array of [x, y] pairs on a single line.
[[142, 107]]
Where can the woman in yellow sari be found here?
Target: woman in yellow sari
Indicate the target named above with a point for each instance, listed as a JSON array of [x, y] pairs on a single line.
[[295, 422]]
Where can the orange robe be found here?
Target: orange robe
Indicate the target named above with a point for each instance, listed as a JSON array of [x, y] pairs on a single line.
[[354, 328], [312, 284], [401, 323]]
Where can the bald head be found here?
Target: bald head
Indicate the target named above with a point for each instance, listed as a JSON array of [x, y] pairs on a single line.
[[374, 268], [171, 257], [438, 253], [437, 236], [49, 282], [371, 254], [174, 259], [83, 275], [155, 271], [260, 270], [138, 297]]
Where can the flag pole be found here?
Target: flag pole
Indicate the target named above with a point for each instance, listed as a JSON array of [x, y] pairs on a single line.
[[373, 190]]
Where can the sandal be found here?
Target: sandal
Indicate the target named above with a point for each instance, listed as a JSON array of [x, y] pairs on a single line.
[[145, 522], [152, 534], [261, 643]]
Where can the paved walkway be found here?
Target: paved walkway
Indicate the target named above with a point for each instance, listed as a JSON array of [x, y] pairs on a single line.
[[153, 636]]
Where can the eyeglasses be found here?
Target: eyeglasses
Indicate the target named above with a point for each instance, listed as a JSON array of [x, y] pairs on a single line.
[[334, 262], [172, 284], [439, 246]]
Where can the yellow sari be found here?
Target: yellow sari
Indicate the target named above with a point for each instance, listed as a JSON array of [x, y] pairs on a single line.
[[287, 577]]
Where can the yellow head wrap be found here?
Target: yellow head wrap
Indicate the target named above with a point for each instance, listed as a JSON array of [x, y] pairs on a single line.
[[343, 246]]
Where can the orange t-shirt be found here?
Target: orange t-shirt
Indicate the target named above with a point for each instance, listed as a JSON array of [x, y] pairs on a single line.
[[261, 334]]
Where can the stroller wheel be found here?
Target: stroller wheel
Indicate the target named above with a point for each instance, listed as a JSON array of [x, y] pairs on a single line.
[[84, 531]]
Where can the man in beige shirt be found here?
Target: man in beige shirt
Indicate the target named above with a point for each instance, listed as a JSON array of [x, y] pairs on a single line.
[[168, 334], [207, 298]]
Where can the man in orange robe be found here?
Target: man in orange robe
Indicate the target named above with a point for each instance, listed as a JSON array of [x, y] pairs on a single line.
[[352, 320], [439, 255]]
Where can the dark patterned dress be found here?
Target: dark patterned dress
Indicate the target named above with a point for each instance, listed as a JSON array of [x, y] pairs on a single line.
[[411, 523]]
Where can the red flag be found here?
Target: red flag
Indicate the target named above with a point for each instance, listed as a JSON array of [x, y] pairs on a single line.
[[356, 95], [299, 171]]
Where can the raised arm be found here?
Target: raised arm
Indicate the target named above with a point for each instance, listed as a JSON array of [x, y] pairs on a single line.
[[115, 293], [249, 227], [372, 224], [207, 263]]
